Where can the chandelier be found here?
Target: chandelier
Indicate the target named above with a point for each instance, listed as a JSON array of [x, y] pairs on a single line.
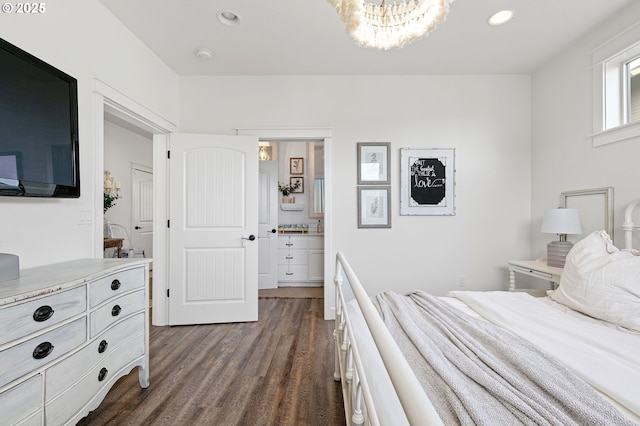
[[385, 26]]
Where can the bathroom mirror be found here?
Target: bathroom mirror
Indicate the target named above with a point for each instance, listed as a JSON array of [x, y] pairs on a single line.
[[316, 173]]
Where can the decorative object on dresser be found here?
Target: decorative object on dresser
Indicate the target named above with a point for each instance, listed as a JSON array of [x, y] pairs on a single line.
[[68, 332], [9, 267], [560, 221]]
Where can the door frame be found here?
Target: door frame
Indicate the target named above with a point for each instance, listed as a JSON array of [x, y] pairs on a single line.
[[108, 99], [320, 134]]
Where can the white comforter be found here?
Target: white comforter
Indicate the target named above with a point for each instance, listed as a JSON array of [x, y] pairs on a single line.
[[604, 356]]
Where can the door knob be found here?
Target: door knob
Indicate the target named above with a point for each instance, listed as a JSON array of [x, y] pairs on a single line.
[[250, 237], [273, 231]]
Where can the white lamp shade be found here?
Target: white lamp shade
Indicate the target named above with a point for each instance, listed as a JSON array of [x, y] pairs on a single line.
[[561, 221]]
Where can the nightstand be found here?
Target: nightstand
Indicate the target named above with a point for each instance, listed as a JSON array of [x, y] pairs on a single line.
[[534, 268]]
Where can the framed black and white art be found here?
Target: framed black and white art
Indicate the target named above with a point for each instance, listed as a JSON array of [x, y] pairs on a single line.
[[373, 163], [374, 207], [427, 182]]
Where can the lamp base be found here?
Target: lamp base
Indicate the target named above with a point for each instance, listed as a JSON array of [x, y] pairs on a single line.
[[557, 253]]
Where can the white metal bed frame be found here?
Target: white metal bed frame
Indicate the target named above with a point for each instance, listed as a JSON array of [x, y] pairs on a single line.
[[628, 226], [358, 402], [356, 393]]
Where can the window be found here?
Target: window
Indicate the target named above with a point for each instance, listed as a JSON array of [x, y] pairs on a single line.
[[633, 98], [616, 90]]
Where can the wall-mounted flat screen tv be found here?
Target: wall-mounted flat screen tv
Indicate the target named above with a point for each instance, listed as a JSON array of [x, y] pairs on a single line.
[[38, 127]]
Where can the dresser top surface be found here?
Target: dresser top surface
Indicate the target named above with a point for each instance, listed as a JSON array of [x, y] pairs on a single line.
[[34, 282]]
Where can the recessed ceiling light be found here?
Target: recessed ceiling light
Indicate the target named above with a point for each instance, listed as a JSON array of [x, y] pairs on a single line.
[[501, 17], [203, 54], [228, 18]]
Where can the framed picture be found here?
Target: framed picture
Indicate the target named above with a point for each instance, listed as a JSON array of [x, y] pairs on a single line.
[[296, 166], [297, 180], [374, 207], [427, 182], [373, 163]]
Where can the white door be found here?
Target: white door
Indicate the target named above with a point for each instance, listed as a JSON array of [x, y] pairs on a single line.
[[142, 211], [213, 211], [268, 224]]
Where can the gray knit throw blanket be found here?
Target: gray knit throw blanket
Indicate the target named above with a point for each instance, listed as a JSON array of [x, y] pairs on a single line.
[[478, 374]]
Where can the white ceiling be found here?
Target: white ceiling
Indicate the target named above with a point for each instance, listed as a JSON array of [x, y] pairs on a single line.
[[307, 37]]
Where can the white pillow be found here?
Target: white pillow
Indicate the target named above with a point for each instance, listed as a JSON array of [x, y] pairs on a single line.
[[601, 281]]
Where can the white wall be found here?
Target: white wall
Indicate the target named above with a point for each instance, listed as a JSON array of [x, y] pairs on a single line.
[[563, 158], [485, 118], [122, 149], [84, 40]]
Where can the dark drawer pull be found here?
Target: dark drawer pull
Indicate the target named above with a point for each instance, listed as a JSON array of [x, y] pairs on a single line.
[[288, 273], [43, 313], [42, 350], [102, 374], [102, 346], [115, 311], [115, 284], [288, 257]]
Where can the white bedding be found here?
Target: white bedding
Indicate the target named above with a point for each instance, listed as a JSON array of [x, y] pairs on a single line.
[[613, 362], [605, 356]]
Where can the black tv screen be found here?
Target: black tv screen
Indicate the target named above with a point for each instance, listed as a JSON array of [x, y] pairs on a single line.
[[38, 127]]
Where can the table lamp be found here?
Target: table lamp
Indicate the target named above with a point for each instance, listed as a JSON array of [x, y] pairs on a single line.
[[561, 222]]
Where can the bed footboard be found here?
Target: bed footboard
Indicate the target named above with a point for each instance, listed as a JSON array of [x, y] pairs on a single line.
[[349, 369]]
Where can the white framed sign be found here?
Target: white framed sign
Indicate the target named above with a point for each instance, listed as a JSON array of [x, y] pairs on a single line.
[[427, 182]]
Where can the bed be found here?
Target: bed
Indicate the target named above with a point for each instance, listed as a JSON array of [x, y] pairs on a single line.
[[496, 357]]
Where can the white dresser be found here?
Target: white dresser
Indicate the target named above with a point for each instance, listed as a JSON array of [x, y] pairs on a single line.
[[300, 258], [67, 333]]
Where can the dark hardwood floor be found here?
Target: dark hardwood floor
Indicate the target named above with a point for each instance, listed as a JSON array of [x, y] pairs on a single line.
[[277, 371]]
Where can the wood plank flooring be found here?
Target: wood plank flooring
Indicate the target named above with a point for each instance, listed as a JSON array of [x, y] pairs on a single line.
[[276, 371]]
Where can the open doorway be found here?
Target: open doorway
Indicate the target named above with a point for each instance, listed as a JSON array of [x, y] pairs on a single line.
[[322, 135], [113, 107], [291, 215], [128, 188]]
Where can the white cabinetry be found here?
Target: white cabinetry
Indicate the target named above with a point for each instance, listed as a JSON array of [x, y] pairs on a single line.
[[68, 332], [300, 259]]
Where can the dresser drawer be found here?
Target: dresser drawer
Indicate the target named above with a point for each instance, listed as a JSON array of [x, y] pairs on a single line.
[[41, 350], [68, 403], [115, 310], [293, 242], [293, 273], [33, 420], [21, 401], [26, 318], [293, 257], [61, 376], [115, 285]]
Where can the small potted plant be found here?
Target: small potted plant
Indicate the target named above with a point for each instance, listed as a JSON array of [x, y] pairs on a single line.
[[286, 190]]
